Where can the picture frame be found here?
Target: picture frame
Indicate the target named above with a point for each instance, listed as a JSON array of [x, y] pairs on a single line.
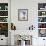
[[22, 14]]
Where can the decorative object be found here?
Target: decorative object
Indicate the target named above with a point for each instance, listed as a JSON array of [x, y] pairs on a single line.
[[41, 6], [6, 7], [41, 25], [3, 19], [23, 40], [23, 14], [13, 27], [22, 43], [43, 13], [31, 27], [4, 29], [42, 33], [42, 19], [3, 13]]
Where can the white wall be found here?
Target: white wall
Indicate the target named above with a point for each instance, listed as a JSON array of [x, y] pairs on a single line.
[[32, 13], [32, 6]]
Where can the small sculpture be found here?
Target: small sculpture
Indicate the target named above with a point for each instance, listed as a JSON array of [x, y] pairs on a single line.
[[13, 27], [31, 27]]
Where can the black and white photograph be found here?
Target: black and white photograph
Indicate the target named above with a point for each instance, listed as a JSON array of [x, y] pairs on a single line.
[[23, 14]]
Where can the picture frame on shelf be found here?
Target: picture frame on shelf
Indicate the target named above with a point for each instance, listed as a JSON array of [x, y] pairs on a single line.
[[22, 14]]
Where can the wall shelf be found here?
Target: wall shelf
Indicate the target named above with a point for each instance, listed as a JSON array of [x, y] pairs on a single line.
[[42, 16], [3, 22], [42, 19], [41, 28], [41, 10], [3, 16], [3, 10], [41, 22], [4, 19]]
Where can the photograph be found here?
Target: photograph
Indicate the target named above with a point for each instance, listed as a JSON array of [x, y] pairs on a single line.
[[23, 14]]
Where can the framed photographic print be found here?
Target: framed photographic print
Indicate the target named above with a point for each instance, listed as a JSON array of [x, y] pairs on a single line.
[[23, 14]]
